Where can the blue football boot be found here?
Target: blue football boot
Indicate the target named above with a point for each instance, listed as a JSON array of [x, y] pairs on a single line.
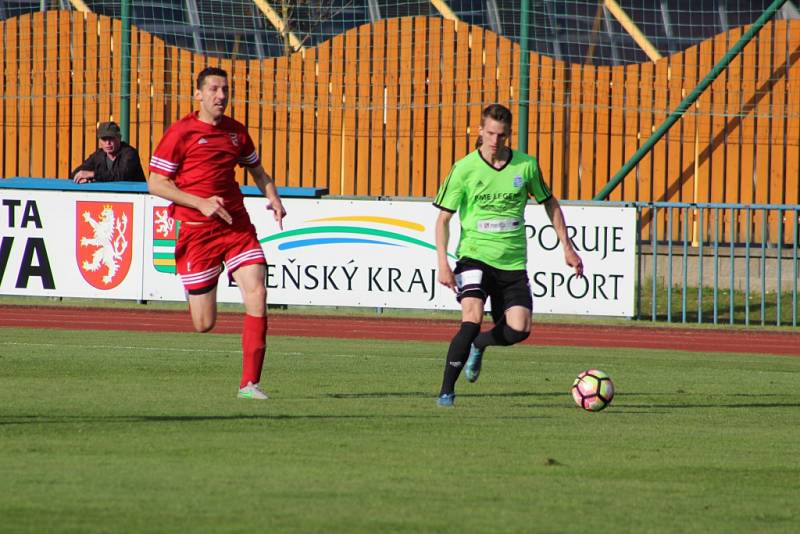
[[473, 367], [446, 400]]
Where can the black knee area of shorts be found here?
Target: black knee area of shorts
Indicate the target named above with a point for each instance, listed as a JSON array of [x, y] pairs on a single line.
[[474, 293], [201, 290], [512, 336]]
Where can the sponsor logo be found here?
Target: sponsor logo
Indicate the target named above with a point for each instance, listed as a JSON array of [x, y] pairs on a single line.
[[165, 234], [202, 141], [500, 225], [370, 230], [103, 235], [379, 235]]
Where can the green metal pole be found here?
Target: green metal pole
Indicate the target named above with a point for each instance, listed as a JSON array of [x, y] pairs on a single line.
[[690, 99], [125, 96], [524, 77]]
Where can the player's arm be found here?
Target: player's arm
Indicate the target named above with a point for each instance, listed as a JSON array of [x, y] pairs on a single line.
[[164, 187], [553, 209], [446, 276], [266, 185]]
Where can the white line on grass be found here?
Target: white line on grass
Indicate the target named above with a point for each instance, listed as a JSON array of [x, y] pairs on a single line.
[[210, 351], [124, 347]]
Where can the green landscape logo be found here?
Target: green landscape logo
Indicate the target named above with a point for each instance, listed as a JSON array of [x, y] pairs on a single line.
[[366, 231]]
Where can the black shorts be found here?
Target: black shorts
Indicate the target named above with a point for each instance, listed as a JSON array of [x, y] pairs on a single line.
[[505, 288]]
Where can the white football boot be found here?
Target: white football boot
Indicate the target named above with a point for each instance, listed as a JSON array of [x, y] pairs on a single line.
[[252, 391]]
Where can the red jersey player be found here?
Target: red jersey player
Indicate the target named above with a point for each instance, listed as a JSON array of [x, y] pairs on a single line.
[[193, 167]]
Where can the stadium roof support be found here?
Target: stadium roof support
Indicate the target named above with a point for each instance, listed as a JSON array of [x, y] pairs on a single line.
[[194, 20], [277, 21], [80, 5], [790, 11], [554, 40], [667, 22], [494, 17], [633, 30], [374, 11], [598, 20], [444, 9]]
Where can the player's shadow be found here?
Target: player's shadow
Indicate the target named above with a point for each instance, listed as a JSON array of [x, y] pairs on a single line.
[[532, 394], [713, 401], [718, 405], [430, 395], [381, 395], [126, 419]]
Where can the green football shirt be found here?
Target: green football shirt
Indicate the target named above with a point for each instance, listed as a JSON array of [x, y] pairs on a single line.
[[491, 206]]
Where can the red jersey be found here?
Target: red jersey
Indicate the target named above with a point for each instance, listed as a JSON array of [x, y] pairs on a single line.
[[201, 159]]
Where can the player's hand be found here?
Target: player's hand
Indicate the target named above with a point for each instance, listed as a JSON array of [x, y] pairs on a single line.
[[278, 211], [574, 261], [214, 207], [447, 278]]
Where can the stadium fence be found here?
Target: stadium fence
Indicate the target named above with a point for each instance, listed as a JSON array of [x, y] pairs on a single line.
[[385, 108], [710, 271]]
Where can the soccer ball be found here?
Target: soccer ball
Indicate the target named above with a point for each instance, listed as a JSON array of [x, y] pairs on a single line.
[[593, 390]]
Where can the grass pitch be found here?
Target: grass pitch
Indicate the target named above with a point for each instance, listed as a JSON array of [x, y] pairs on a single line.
[[124, 432]]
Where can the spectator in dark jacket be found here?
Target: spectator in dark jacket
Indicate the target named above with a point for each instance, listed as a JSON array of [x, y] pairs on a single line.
[[114, 161]]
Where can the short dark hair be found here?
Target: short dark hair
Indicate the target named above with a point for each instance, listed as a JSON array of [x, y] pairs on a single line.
[[497, 112], [210, 71]]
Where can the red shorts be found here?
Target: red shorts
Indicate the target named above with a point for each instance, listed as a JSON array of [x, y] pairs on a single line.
[[202, 248]]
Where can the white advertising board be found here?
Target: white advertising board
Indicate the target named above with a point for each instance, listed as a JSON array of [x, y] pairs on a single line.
[[334, 252], [56, 243], [331, 252]]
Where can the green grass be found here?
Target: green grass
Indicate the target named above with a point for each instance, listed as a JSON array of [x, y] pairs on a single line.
[[124, 432], [752, 309], [747, 310]]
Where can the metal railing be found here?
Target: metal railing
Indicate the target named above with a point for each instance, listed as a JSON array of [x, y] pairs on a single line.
[[717, 263]]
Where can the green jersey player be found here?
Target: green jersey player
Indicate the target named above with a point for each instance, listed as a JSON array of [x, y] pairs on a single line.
[[489, 189]]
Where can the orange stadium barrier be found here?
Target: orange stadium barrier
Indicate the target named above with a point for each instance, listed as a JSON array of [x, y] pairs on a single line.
[[385, 109]]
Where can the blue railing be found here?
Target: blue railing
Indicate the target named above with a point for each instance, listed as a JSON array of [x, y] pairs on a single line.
[[744, 258], [54, 184]]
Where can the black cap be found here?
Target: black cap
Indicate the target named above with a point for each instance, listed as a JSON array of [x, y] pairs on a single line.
[[108, 129]]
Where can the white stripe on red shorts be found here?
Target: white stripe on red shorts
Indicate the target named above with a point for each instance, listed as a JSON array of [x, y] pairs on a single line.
[[246, 257]]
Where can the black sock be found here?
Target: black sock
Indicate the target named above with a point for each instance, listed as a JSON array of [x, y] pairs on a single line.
[[457, 355]]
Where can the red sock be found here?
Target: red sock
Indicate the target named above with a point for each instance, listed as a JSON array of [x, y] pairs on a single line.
[[254, 344]]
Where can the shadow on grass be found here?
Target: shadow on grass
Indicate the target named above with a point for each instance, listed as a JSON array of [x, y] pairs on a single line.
[[382, 395], [712, 401], [74, 419], [461, 396], [432, 395], [717, 405]]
